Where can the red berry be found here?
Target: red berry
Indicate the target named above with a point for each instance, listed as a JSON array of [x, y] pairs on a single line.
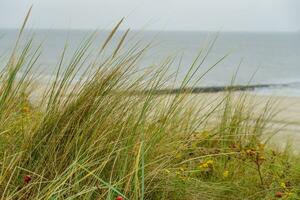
[[119, 198], [278, 194], [27, 179]]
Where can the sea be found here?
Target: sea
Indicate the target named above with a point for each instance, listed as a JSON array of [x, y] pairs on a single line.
[[270, 62]]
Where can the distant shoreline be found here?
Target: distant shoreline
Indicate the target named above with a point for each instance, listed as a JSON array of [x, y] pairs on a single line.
[[215, 89]]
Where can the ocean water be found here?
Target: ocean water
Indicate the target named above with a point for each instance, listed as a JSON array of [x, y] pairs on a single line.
[[270, 59]]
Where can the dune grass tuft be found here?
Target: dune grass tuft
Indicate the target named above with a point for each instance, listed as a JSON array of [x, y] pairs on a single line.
[[91, 135]]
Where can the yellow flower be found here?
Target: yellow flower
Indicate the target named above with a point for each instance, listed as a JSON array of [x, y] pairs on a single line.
[[207, 164], [282, 184], [204, 166], [225, 173], [210, 162]]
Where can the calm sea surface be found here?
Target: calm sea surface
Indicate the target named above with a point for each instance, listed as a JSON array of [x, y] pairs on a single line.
[[270, 58]]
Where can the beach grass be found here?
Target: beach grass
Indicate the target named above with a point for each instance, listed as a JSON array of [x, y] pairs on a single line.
[[103, 132]]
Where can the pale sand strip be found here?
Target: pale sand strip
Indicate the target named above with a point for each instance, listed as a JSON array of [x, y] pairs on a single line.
[[288, 118], [287, 121]]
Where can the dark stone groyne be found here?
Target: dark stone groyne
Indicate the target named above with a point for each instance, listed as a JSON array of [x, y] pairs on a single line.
[[214, 89]]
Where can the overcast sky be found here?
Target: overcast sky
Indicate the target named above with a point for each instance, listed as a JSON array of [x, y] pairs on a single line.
[[221, 15]]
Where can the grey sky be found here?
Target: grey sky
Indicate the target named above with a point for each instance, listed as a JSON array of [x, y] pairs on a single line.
[[224, 15]]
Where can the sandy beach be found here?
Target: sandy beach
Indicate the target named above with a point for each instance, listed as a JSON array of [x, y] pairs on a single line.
[[286, 109], [286, 120]]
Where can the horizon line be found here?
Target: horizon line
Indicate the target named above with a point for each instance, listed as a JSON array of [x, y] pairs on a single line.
[[152, 30]]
